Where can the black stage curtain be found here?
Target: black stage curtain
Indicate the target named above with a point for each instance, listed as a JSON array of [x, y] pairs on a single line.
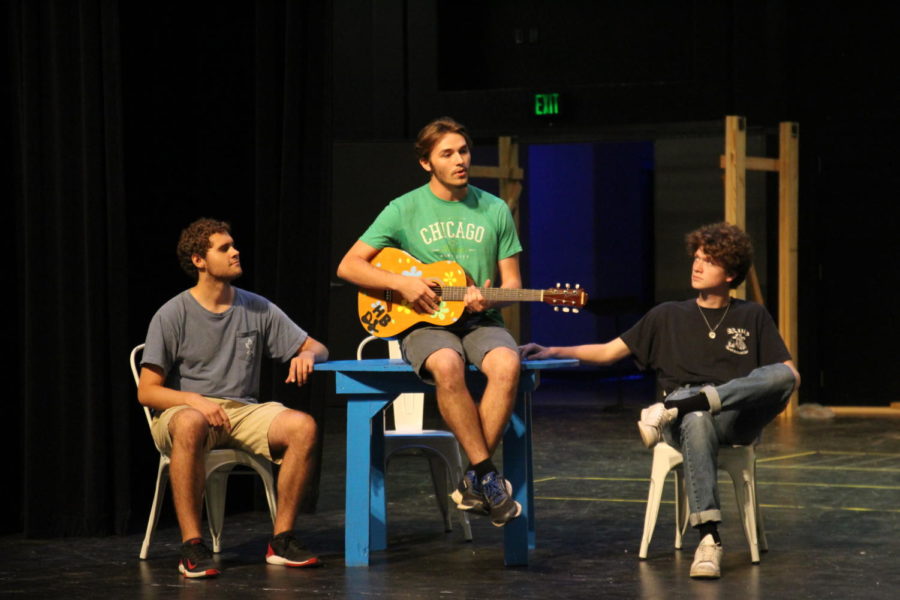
[[128, 122]]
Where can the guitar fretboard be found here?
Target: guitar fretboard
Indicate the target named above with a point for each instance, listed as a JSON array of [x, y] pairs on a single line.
[[497, 294]]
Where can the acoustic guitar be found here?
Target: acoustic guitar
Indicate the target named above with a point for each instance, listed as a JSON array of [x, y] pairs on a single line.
[[384, 313]]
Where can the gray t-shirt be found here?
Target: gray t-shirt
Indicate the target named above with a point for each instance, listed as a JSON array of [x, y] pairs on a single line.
[[219, 354]]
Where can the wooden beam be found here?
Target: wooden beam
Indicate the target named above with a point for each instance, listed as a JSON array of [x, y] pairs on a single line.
[[755, 163], [497, 172], [788, 226], [755, 289], [865, 411], [510, 175], [735, 179]]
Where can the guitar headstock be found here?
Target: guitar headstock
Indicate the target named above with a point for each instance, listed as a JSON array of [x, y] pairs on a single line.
[[567, 298]]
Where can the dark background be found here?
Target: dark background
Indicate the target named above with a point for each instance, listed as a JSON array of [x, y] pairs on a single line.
[[124, 121]]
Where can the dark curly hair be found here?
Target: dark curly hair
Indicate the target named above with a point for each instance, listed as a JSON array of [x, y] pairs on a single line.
[[726, 245], [194, 239], [434, 131]]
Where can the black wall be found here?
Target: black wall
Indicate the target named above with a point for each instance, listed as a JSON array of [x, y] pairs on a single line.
[[644, 70], [127, 120]]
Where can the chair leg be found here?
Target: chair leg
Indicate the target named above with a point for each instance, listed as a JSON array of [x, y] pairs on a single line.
[[741, 472], [654, 498], [682, 512], [456, 475], [216, 485], [162, 479], [439, 477]]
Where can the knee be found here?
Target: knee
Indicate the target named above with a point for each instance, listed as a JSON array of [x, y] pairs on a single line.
[[446, 366], [301, 426], [188, 426], [697, 424], [787, 378], [502, 364]]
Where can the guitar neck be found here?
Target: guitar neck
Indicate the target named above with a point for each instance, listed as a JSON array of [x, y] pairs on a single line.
[[494, 294]]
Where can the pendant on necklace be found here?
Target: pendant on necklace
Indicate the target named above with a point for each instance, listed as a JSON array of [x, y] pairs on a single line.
[[712, 335]]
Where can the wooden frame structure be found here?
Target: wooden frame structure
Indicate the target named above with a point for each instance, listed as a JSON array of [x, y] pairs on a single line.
[[736, 164], [510, 175]]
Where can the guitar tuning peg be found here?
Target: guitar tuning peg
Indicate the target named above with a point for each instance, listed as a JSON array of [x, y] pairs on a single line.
[[575, 310], [557, 285], [577, 286], [555, 309], [566, 309], [568, 286]]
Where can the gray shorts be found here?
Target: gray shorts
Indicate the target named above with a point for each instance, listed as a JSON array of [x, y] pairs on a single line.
[[471, 342]]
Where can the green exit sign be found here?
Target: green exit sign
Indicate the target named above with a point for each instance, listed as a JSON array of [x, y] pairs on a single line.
[[546, 105]]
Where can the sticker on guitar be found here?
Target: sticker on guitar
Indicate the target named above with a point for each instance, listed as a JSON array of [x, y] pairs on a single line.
[[384, 313]]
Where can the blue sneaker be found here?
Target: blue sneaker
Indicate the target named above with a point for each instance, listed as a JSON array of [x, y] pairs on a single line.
[[498, 499], [468, 495]]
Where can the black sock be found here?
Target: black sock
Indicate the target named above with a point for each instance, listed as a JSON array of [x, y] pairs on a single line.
[[709, 528], [698, 401], [483, 468]]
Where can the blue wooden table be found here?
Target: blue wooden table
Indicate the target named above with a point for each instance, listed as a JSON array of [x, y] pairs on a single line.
[[370, 386]]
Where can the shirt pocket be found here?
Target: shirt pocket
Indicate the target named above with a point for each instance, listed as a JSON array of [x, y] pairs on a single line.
[[246, 346]]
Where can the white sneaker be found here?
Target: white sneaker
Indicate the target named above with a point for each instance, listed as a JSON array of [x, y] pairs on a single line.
[[707, 559], [653, 419]]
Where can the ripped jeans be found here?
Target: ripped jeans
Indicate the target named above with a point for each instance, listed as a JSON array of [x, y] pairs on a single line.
[[747, 405]]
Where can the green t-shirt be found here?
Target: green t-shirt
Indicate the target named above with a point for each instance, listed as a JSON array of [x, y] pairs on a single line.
[[476, 232]]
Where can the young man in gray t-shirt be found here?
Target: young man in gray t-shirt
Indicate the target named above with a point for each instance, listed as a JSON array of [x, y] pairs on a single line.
[[200, 377]]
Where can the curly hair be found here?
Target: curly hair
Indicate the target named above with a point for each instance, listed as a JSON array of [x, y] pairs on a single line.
[[194, 239], [726, 245], [432, 133]]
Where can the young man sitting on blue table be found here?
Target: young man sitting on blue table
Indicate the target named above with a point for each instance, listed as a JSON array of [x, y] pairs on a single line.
[[448, 219]]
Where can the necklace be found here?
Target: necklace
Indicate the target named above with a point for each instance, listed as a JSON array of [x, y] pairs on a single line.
[[712, 330]]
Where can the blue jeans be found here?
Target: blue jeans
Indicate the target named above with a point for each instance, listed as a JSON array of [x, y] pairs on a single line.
[[747, 405]]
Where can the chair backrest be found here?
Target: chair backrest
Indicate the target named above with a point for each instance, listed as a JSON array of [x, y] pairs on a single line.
[[135, 372], [408, 408]]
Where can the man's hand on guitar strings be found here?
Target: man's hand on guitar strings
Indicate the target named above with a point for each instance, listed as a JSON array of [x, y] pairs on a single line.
[[419, 294], [474, 299]]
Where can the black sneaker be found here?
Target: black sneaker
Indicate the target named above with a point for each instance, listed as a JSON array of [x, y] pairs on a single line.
[[196, 560], [284, 549], [468, 495], [498, 496]]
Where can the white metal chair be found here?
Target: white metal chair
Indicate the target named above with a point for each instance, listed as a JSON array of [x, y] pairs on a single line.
[[438, 446], [739, 462], [219, 464]]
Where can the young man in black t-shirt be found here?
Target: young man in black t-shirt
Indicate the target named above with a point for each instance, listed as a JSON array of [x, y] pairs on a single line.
[[723, 369]]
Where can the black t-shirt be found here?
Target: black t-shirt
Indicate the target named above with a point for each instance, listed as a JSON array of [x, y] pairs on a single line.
[[673, 340]]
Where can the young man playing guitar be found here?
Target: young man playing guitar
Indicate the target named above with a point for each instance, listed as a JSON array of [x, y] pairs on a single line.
[[723, 369], [448, 219]]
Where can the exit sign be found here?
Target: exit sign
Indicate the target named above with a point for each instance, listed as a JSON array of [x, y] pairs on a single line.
[[546, 105]]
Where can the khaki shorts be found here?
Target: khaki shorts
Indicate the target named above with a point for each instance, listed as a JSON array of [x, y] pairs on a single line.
[[249, 427]]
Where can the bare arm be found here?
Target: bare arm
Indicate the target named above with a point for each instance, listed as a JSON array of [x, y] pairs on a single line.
[[356, 268], [598, 354], [310, 352], [152, 393], [510, 278]]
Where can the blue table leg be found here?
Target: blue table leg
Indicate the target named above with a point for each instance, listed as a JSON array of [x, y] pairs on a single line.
[[517, 469], [360, 475], [529, 475], [378, 498]]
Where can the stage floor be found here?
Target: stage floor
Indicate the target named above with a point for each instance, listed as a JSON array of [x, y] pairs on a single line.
[[830, 492]]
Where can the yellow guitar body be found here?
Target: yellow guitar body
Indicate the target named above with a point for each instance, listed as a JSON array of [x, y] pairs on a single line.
[[384, 313]]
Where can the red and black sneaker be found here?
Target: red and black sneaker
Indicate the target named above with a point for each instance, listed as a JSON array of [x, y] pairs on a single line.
[[196, 560], [284, 549]]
